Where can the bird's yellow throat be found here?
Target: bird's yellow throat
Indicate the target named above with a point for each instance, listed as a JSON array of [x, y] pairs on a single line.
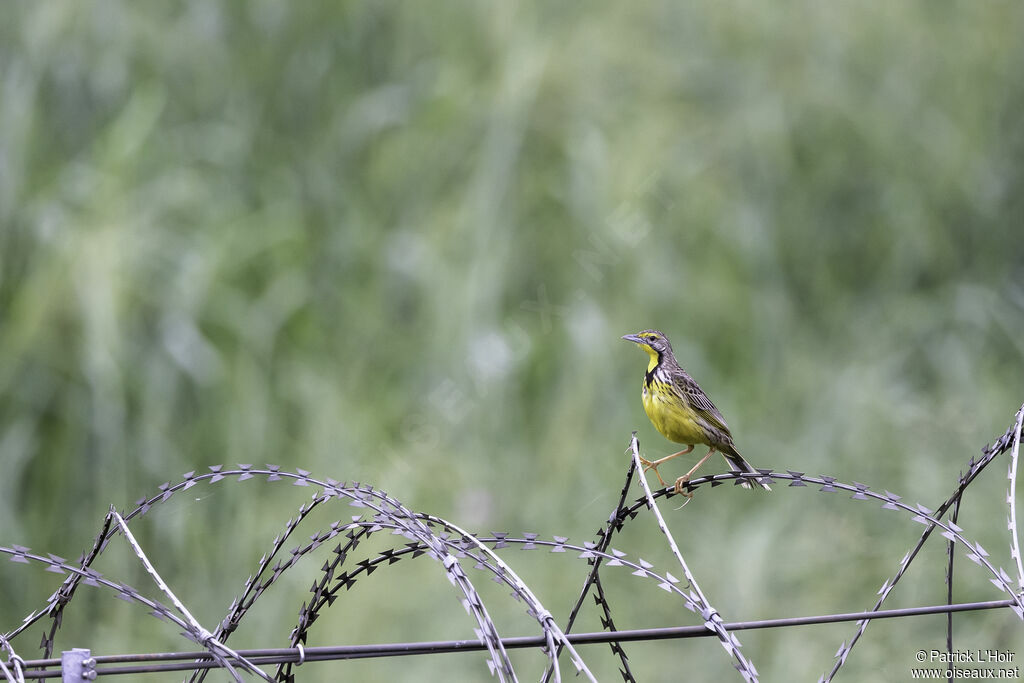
[[654, 357]]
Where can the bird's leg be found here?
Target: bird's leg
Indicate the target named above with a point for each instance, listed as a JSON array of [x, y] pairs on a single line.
[[653, 464], [686, 477]]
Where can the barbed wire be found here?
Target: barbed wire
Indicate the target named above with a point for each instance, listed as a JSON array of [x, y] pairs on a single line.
[[449, 545]]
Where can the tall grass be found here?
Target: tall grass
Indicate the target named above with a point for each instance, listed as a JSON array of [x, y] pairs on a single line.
[[398, 243]]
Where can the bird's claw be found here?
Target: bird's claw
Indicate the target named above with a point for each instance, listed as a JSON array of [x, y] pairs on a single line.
[[678, 488], [648, 465]]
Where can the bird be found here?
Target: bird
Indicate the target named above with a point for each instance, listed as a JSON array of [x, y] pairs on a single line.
[[683, 413]]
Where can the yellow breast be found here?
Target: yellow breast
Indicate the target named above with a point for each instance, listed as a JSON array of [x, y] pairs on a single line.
[[670, 416]]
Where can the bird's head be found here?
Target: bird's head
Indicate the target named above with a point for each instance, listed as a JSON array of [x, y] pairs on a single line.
[[653, 342]]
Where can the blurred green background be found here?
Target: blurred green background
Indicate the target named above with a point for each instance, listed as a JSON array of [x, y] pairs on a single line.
[[397, 243]]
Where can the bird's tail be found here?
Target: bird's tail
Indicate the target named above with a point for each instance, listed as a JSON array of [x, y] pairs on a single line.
[[737, 463]]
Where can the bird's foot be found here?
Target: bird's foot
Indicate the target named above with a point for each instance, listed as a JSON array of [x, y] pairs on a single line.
[[680, 482], [648, 465]]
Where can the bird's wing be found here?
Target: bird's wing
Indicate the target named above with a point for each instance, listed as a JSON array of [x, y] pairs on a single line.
[[699, 401]]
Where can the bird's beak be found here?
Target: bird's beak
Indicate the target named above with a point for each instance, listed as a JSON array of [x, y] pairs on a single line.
[[633, 338]]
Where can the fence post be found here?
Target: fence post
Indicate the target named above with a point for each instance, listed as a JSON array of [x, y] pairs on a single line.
[[77, 666]]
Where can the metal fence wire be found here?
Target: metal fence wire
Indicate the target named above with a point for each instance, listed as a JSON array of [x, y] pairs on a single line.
[[426, 535]]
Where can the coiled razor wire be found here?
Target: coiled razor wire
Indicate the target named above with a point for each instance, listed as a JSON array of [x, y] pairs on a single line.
[[450, 546]]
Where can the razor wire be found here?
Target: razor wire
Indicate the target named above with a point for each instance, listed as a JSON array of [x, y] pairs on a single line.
[[450, 545]]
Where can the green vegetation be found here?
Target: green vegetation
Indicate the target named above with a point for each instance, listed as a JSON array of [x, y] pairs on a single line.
[[397, 243]]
